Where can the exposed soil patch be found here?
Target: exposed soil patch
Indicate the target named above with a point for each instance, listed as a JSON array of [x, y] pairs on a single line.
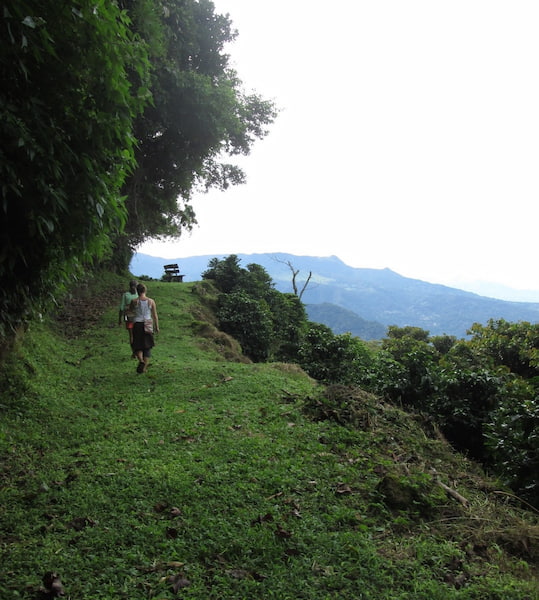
[[82, 308]]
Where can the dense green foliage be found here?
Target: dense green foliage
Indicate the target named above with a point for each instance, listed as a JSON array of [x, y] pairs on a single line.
[[333, 358], [267, 323], [209, 479], [483, 392], [66, 118], [111, 113], [198, 115], [249, 321]]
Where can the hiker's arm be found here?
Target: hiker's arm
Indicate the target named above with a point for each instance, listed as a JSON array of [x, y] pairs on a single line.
[[154, 317]]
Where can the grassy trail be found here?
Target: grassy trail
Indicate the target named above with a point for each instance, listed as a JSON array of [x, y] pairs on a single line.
[[207, 479]]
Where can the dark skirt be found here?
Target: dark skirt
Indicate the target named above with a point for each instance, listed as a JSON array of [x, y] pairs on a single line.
[[141, 339]]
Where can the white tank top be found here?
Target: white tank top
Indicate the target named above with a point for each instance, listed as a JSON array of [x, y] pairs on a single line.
[[143, 311]]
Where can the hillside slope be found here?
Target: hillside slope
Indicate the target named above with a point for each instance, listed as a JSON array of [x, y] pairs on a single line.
[[341, 320], [378, 295], [210, 477]]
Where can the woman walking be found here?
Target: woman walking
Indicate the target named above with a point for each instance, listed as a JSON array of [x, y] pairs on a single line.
[[146, 323]]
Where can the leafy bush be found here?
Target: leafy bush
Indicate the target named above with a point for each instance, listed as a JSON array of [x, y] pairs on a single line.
[[410, 347], [289, 325], [512, 439], [227, 274], [482, 392], [267, 323], [462, 402], [333, 358], [514, 345], [249, 321]]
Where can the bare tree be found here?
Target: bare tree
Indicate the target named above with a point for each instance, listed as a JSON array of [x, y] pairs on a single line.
[[295, 273]]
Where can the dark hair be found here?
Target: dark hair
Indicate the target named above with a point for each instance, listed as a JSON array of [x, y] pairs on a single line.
[[141, 288], [132, 284]]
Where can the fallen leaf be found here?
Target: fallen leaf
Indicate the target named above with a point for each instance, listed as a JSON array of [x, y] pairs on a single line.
[[282, 533], [79, 523], [178, 582], [53, 584], [160, 507], [262, 519], [239, 573], [293, 502], [185, 438], [274, 495]]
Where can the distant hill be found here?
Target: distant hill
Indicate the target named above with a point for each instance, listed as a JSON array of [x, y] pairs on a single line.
[[378, 296], [342, 320]]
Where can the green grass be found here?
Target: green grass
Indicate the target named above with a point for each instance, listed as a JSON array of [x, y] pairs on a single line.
[[210, 479]]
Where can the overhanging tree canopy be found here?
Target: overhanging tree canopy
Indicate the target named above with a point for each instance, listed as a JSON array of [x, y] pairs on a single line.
[[66, 117], [110, 113], [199, 114]]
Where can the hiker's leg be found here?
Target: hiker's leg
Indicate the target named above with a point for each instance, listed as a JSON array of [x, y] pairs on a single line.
[[147, 354]]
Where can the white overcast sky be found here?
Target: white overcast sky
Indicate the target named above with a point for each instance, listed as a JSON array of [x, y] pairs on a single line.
[[408, 138]]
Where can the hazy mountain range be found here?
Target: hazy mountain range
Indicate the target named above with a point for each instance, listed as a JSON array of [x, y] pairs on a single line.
[[362, 301]]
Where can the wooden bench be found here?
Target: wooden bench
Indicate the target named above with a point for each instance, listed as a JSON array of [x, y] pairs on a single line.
[[172, 273]]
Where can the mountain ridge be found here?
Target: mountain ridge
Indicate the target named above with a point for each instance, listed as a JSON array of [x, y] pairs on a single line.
[[374, 295]]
